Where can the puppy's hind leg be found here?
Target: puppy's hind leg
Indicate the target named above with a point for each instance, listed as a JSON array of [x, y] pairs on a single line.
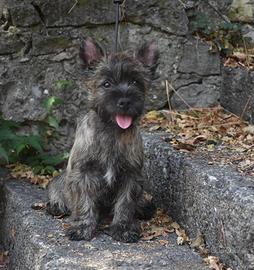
[[56, 206]]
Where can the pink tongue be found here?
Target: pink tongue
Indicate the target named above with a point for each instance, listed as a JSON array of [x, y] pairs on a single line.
[[123, 121]]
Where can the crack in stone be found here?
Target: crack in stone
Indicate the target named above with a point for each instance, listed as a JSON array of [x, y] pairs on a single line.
[[39, 11], [191, 83], [201, 75]]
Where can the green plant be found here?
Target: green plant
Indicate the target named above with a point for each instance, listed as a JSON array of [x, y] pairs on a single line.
[[63, 84], [226, 36], [49, 104], [30, 148]]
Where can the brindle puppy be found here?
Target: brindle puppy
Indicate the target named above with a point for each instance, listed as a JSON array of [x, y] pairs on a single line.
[[104, 170]]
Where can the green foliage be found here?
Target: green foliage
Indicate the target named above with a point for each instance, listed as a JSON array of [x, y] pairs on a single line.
[[226, 36], [30, 148], [203, 24], [49, 104], [63, 84]]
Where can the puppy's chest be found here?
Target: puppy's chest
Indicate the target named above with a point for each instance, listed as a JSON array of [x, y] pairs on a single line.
[[120, 160]]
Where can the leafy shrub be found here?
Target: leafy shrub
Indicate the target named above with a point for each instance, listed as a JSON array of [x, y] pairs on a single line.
[[30, 149]]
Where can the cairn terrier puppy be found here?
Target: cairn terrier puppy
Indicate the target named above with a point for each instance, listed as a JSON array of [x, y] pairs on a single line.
[[104, 171]]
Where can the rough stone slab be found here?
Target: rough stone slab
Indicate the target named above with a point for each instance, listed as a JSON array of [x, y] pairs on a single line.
[[197, 95], [213, 199], [36, 241], [198, 59], [237, 93], [169, 16]]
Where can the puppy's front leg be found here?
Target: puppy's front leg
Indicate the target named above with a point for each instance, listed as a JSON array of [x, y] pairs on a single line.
[[84, 210], [125, 227]]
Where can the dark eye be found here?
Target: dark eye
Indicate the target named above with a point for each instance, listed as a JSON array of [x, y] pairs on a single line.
[[106, 84]]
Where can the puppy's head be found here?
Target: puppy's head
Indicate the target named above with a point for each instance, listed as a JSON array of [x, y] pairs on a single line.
[[119, 82]]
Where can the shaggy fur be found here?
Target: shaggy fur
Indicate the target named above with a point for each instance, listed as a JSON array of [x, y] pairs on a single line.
[[104, 171]]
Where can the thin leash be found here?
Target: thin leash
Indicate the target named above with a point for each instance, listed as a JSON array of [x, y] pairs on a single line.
[[117, 3]]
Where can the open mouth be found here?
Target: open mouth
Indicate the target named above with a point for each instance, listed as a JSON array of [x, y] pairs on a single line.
[[123, 121]]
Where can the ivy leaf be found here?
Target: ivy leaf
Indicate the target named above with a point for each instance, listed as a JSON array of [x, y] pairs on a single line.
[[53, 160], [7, 134], [3, 154], [20, 148], [50, 102], [53, 122], [35, 142], [63, 84]]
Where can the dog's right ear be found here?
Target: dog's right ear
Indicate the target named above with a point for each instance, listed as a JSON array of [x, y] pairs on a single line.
[[90, 52]]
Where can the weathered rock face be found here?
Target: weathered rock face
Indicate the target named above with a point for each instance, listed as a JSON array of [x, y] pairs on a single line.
[[39, 44], [49, 28], [197, 78], [39, 47], [238, 92]]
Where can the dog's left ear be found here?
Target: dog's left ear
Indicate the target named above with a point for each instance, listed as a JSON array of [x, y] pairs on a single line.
[[148, 55]]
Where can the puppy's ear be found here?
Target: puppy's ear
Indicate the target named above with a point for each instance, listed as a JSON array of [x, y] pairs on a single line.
[[148, 55], [90, 52]]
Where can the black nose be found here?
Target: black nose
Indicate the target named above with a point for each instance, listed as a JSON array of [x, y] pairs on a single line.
[[123, 103]]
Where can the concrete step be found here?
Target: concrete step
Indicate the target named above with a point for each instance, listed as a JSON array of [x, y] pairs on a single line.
[[36, 241], [213, 199]]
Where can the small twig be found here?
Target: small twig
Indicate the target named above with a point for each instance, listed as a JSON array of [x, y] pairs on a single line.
[[245, 107], [168, 99], [171, 86], [224, 17], [221, 124], [76, 2], [179, 113], [237, 116], [246, 52]]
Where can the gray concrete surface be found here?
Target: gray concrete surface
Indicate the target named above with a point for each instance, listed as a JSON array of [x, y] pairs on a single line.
[[213, 199], [37, 241]]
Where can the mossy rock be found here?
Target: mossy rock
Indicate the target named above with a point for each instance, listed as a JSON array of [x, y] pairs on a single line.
[[48, 45], [241, 11]]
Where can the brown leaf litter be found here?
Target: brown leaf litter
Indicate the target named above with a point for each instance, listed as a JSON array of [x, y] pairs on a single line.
[[161, 225], [205, 131], [22, 171]]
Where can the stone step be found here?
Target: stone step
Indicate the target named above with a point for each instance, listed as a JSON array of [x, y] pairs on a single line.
[[214, 199], [36, 241]]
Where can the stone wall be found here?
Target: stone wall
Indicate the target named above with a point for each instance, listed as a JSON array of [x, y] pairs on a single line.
[[39, 44]]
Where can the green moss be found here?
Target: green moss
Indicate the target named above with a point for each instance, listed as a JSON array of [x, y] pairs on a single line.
[[52, 44], [84, 2], [233, 14]]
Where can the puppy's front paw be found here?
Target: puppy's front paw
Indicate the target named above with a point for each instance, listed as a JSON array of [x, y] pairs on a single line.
[[80, 232], [124, 233], [56, 210]]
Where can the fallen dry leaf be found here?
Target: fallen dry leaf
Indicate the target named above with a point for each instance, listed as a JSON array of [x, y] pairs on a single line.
[[38, 206], [183, 146], [182, 237], [198, 243], [249, 129], [159, 225], [4, 259], [21, 171], [214, 263]]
